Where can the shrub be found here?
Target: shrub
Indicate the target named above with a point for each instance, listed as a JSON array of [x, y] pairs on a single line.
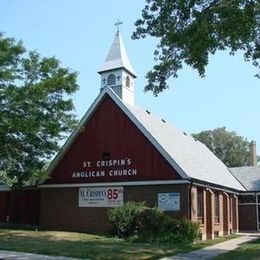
[[189, 230], [124, 219], [182, 231], [136, 221]]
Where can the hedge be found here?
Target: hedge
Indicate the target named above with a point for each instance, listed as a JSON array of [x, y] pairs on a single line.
[[134, 220]]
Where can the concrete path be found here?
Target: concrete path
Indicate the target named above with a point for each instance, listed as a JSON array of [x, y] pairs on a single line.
[[9, 255], [215, 250]]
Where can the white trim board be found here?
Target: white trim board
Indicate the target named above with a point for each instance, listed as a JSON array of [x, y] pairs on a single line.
[[246, 204], [215, 188], [105, 184]]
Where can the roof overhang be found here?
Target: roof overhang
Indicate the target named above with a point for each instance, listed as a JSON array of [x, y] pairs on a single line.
[[119, 67]]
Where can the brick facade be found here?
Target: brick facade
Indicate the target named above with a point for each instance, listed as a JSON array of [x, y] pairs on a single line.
[[60, 211], [227, 223]]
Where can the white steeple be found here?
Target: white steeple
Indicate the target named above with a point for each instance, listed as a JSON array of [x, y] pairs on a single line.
[[117, 72]]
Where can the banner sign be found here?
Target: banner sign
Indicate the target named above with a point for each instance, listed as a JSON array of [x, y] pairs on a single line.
[[169, 201], [101, 197]]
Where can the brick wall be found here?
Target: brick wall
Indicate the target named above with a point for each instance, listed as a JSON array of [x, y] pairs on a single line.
[[60, 211], [227, 223]]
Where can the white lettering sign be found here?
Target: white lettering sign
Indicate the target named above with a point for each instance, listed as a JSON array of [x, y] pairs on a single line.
[[169, 201], [105, 168], [108, 163], [101, 197]]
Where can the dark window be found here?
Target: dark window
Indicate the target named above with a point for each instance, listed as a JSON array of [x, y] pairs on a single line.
[[216, 197], [127, 81], [106, 156], [200, 205], [230, 208], [246, 199], [111, 79]]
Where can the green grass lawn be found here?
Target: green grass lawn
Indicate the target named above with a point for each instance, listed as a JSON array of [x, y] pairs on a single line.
[[245, 251], [80, 245]]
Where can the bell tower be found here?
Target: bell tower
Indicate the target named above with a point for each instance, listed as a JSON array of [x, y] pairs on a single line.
[[117, 72]]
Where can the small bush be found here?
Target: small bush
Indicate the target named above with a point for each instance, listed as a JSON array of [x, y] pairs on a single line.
[[124, 219], [189, 230], [182, 231], [136, 221]]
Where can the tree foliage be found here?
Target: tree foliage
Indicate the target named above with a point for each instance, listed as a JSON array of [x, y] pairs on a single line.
[[190, 30], [35, 111], [230, 148]]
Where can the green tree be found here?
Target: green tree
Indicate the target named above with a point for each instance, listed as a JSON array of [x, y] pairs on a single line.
[[190, 30], [231, 149], [35, 111]]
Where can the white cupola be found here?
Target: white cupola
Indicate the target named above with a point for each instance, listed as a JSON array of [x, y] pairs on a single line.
[[117, 72]]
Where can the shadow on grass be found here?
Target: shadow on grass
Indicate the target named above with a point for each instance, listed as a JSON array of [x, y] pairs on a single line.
[[86, 246], [80, 245]]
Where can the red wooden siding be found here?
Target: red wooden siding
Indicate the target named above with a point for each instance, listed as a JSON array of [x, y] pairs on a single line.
[[109, 130], [20, 206], [25, 206], [4, 197]]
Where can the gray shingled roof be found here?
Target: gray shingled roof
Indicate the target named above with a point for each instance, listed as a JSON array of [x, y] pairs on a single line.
[[193, 157], [249, 176]]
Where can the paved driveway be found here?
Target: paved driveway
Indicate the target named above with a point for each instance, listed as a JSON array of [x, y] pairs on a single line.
[[218, 249]]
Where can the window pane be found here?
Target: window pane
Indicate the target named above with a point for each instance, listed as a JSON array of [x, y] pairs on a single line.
[[216, 196], [246, 199], [127, 82], [111, 80], [200, 206]]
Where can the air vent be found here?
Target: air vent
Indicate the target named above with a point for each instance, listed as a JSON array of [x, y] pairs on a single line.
[[106, 156], [148, 112], [163, 120]]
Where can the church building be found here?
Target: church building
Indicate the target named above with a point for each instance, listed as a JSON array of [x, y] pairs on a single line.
[[122, 153]]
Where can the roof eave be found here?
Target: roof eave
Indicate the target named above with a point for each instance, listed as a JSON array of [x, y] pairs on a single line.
[[119, 67], [216, 186]]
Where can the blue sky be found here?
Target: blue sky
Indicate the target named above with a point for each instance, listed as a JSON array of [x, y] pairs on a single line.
[[80, 32]]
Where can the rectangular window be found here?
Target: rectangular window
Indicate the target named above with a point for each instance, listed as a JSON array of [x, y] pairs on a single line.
[[230, 208], [200, 205], [217, 214], [247, 199]]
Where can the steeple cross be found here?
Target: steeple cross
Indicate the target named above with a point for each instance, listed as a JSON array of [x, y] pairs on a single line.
[[118, 23]]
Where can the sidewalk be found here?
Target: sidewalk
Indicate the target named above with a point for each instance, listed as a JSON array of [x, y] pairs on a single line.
[[215, 250], [9, 255]]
